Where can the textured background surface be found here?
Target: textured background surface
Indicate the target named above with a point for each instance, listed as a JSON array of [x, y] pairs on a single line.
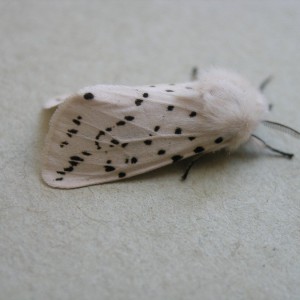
[[230, 232]]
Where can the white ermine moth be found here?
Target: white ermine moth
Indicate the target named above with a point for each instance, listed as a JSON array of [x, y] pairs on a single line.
[[105, 133]]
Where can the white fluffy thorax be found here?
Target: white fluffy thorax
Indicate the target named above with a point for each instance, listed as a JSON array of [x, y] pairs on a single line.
[[231, 105]]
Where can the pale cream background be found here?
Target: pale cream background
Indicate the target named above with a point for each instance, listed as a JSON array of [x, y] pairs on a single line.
[[231, 231]]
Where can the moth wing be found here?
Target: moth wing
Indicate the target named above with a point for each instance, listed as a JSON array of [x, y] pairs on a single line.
[[53, 102], [105, 133]]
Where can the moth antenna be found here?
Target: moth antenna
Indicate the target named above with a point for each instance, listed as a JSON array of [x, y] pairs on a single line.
[[194, 74], [270, 106], [265, 82], [287, 155], [185, 174], [282, 128]]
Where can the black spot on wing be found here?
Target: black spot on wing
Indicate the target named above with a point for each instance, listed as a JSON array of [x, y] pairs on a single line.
[[177, 158], [115, 142], [62, 144], [109, 168], [73, 163], [88, 96], [138, 102], [77, 122], [69, 169], [199, 149], [219, 140], [178, 130], [122, 174], [134, 160], [100, 133], [120, 123], [129, 118], [76, 158], [86, 153]]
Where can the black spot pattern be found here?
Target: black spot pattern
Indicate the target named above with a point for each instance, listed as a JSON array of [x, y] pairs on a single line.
[[101, 132], [148, 142], [108, 129], [219, 140], [114, 141], [69, 169], [108, 161], [170, 107], [109, 168], [178, 130], [129, 118], [86, 153], [193, 114], [120, 123], [169, 91], [76, 121], [191, 138], [134, 160], [199, 149], [97, 145], [145, 95], [62, 144], [126, 161], [61, 173], [77, 158], [73, 163], [88, 96], [138, 102], [161, 152], [124, 145], [156, 128], [177, 158], [73, 131], [59, 179], [122, 174]]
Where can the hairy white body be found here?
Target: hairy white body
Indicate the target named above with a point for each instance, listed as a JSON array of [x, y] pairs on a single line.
[[105, 133]]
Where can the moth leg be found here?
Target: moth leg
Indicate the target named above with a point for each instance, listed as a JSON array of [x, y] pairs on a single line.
[[185, 174], [284, 154], [194, 74]]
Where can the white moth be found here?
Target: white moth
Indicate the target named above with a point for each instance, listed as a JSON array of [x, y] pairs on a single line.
[[105, 133]]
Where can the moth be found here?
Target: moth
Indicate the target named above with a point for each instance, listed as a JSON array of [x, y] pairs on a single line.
[[105, 133]]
